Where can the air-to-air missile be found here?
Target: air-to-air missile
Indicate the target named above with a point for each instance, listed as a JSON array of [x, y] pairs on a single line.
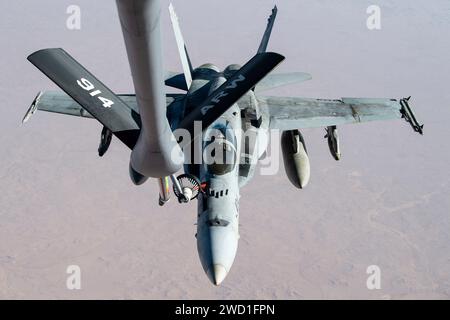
[[333, 142]]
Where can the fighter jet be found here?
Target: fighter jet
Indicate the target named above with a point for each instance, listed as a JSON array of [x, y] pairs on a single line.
[[222, 116]]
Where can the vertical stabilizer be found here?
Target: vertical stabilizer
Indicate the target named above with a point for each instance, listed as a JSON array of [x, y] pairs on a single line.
[[185, 61], [265, 40]]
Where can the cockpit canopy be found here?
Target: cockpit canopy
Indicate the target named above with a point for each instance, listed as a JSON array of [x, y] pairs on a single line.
[[219, 151]]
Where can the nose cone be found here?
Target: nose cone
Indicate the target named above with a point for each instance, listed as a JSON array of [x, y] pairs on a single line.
[[217, 246], [217, 274]]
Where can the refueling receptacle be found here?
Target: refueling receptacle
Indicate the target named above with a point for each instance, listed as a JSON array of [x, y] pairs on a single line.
[[186, 187]]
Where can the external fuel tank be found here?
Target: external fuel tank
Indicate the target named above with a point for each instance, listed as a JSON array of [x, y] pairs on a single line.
[[295, 156]]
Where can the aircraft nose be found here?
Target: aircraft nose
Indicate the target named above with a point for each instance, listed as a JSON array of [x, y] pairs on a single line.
[[217, 274], [217, 248]]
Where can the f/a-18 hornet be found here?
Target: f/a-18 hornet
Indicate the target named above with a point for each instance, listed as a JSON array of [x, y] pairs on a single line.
[[216, 131]]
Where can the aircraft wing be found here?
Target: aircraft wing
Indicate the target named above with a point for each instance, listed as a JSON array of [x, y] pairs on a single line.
[[289, 113], [275, 80], [60, 102]]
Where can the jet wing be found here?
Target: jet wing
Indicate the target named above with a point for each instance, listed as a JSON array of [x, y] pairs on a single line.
[[276, 80], [289, 113], [60, 102]]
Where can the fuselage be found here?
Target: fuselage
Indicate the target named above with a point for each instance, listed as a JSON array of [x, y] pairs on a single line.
[[218, 206]]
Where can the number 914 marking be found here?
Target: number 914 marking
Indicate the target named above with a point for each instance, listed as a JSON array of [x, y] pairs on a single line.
[[88, 86]]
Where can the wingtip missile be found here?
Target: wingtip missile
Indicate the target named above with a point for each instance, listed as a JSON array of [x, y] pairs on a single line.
[[409, 115], [33, 107]]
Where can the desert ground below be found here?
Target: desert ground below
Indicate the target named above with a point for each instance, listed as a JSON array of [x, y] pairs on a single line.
[[386, 203]]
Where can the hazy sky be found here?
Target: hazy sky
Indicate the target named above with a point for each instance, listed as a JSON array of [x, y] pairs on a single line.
[[385, 203]]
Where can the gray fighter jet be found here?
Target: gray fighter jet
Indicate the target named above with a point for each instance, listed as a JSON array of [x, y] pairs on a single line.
[[222, 117]]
